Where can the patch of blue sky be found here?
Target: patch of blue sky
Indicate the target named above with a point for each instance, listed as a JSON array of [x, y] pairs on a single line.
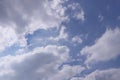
[[42, 37], [95, 28], [10, 50]]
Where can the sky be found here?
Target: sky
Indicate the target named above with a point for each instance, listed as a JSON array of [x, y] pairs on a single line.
[[59, 39]]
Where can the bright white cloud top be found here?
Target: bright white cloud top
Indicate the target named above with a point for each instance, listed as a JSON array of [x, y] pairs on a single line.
[[105, 48]]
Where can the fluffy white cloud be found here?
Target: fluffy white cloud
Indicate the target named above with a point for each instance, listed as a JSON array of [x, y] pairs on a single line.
[[40, 64], [73, 6], [78, 11], [76, 40], [21, 17], [110, 74], [68, 72], [105, 48], [31, 15], [77, 78], [80, 15], [7, 37]]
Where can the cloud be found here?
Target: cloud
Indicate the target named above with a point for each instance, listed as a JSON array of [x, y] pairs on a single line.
[[105, 48], [110, 74], [8, 37], [68, 72], [31, 15], [50, 36], [76, 40], [39, 64], [62, 35], [76, 78], [78, 11], [80, 15], [73, 6], [24, 17]]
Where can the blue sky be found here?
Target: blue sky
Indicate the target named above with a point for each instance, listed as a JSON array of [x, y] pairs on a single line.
[[59, 39]]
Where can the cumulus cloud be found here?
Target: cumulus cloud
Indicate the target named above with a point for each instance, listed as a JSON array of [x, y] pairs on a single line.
[[76, 40], [73, 6], [68, 72], [24, 17], [7, 37], [110, 74], [40, 64], [19, 18], [31, 15], [78, 11], [105, 48], [80, 15]]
